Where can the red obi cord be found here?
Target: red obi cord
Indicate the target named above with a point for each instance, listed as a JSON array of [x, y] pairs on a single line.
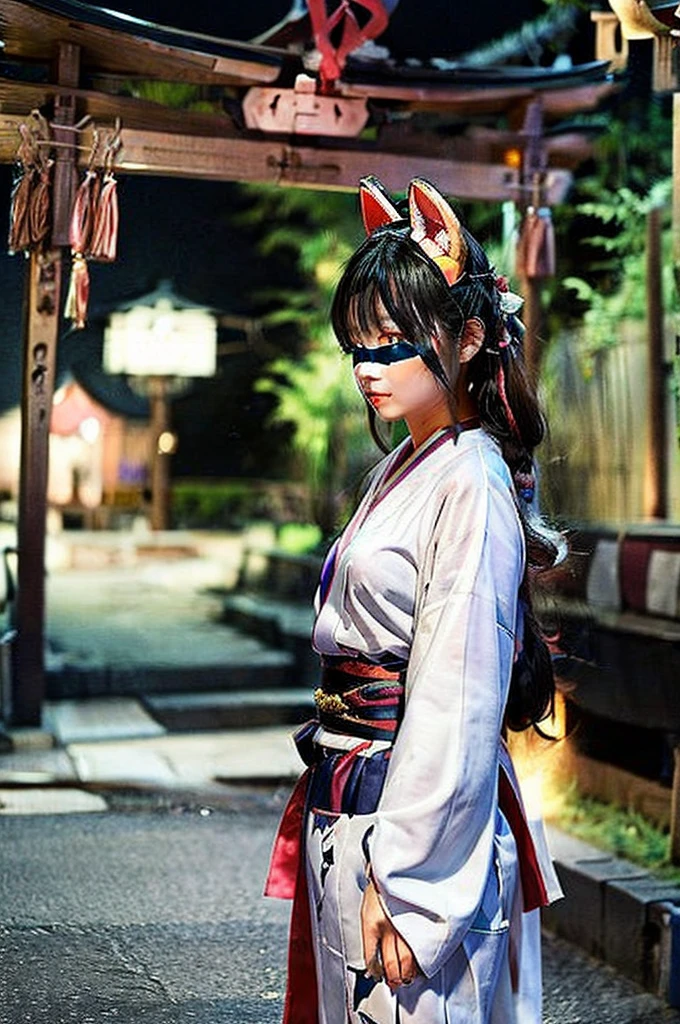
[[533, 886], [287, 879]]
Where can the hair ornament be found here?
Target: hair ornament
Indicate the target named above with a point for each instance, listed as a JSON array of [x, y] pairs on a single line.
[[510, 302], [377, 208], [504, 338], [434, 225], [436, 229], [525, 483]]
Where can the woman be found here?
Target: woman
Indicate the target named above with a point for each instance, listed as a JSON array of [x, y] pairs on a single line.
[[416, 880]]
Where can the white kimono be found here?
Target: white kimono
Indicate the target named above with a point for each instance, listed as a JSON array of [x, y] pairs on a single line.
[[428, 572]]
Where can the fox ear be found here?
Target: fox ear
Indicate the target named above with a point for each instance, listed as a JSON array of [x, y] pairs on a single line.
[[436, 229], [377, 209]]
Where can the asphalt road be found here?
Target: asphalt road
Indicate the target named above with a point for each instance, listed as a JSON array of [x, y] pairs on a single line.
[[151, 914]]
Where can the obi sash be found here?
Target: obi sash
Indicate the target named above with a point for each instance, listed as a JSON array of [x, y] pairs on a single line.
[[364, 701], [360, 699]]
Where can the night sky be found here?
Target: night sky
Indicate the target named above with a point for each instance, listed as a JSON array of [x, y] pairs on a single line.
[[419, 28]]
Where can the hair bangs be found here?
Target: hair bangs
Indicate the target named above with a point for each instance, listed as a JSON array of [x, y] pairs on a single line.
[[390, 276]]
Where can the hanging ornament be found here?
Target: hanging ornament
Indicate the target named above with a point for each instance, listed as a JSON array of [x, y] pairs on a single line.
[[40, 203], [31, 201], [104, 241], [536, 245], [82, 221], [19, 239]]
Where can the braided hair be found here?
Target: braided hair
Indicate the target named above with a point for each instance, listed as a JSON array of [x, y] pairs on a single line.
[[391, 273]]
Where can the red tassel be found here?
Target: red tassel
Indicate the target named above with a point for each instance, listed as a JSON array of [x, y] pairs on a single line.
[[536, 246], [82, 215], [105, 232], [19, 225], [39, 207], [80, 233], [78, 292]]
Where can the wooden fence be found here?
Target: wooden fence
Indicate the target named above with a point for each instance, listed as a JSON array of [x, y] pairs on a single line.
[[594, 463]]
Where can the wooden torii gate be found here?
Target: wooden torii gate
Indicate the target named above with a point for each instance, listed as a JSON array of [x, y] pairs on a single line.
[[279, 124]]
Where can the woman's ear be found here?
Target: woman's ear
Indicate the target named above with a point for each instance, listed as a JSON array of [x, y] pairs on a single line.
[[472, 339]]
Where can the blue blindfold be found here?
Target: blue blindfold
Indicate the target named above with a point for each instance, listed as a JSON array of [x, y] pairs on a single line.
[[384, 354]]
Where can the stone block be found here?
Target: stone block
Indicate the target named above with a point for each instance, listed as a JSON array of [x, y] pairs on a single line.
[[663, 929], [628, 939], [579, 917]]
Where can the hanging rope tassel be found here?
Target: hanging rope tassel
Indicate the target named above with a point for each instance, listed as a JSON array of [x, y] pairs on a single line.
[[105, 232], [82, 220], [40, 207], [19, 231], [536, 245], [78, 291]]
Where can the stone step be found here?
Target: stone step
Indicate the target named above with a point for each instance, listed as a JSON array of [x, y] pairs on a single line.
[[76, 678], [284, 625], [248, 709]]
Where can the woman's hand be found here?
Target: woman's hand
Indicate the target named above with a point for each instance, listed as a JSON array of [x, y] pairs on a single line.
[[386, 954]]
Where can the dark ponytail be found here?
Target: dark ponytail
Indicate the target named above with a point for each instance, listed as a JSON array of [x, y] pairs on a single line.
[[509, 410]]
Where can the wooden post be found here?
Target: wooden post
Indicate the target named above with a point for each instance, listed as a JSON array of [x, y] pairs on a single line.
[[41, 312], [41, 331], [532, 317], [160, 455], [68, 74], [656, 482], [676, 210], [675, 810], [534, 164]]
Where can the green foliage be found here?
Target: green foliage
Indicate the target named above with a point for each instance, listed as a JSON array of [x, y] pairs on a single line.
[[178, 95], [227, 504], [619, 831], [634, 147], [298, 538], [314, 391], [625, 211], [620, 254]]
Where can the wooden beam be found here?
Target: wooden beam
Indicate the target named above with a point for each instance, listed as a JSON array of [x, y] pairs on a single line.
[[491, 99], [225, 156], [167, 54], [334, 168]]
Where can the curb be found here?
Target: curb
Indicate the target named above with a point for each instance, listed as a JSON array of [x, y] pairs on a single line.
[[619, 913]]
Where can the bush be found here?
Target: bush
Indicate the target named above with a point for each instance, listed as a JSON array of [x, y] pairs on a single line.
[[232, 504], [621, 832]]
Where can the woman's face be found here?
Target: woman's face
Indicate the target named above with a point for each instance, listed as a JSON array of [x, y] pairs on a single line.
[[403, 389]]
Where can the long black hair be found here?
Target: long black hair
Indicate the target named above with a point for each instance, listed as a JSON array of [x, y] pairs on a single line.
[[390, 273]]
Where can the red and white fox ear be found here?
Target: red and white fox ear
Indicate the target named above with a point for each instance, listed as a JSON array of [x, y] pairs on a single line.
[[436, 229], [377, 209]]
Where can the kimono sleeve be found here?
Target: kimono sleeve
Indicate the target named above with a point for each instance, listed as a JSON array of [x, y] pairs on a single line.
[[432, 844]]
